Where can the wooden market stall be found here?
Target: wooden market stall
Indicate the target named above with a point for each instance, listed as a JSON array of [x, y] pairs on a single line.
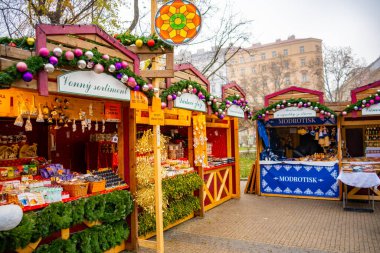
[[80, 122], [361, 135], [297, 146]]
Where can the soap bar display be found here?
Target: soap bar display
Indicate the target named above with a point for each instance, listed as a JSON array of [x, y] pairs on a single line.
[[112, 179]]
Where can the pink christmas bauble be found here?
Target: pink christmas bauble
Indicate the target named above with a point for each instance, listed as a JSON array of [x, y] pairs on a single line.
[[194, 90], [124, 64], [377, 98], [344, 113], [78, 52], [367, 104], [163, 105], [21, 66], [131, 79], [99, 68], [372, 101], [150, 86], [106, 57], [43, 52], [69, 55], [169, 97]]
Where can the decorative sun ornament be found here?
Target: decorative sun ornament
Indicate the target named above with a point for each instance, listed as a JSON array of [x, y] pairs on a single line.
[[178, 22]]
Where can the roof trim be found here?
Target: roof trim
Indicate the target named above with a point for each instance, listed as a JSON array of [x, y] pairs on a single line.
[[294, 88]]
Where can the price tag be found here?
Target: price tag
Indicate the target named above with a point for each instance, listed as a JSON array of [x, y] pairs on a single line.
[[139, 100], [156, 117]]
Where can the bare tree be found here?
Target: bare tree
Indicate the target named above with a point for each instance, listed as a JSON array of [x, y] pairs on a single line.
[[20, 16], [339, 66]]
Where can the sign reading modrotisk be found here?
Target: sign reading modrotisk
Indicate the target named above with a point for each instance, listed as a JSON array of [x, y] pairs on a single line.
[[190, 102], [89, 83]]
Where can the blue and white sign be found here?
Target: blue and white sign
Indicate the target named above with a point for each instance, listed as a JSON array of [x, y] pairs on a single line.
[[190, 102], [300, 179], [300, 121], [294, 112], [235, 111]]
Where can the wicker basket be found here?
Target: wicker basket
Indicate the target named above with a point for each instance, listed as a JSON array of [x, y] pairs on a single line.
[[76, 190], [97, 186]]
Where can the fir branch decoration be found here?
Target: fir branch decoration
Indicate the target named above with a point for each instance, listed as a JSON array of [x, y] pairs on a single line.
[[363, 103], [128, 39], [322, 109]]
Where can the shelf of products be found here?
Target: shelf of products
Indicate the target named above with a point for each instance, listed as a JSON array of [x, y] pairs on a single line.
[[372, 137]]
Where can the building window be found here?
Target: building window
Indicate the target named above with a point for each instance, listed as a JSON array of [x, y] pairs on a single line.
[[263, 68], [303, 62], [286, 64], [285, 52], [242, 71], [302, 49], [262, 56], [253, 69], [304, 77], [252, 57], [241, 59], [232, 72], [317, 48], [274, 54], [287, 80]]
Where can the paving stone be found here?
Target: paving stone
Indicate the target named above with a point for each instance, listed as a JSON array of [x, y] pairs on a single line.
[[278, 225]]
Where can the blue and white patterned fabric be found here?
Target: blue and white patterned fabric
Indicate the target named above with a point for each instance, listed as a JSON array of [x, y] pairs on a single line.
[[300, 179]]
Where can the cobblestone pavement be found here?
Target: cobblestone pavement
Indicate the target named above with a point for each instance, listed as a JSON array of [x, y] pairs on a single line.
[[271, 224]]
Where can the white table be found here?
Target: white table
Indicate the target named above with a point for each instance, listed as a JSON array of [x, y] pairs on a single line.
[[367, 180]]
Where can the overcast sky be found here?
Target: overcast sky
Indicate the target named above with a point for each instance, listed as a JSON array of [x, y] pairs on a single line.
[[354, 23]]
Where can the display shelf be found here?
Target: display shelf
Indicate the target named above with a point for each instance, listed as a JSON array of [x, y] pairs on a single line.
[[219, 166], [31, 208]]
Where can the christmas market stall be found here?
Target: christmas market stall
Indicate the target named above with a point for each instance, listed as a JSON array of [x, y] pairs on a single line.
[[361, 139], [297, 146], [64, 128]]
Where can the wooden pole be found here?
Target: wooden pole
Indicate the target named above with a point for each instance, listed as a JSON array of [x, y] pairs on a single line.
[[340, 154], [157, 154]]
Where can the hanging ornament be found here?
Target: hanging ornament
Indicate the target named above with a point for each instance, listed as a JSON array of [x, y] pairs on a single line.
[[163, 105], [150, 86], [96, 125], [278, 106], [43, 52], [124, 79], [150, 43], [355, 108], [209, 102], [156, 90], [131, 82], [28, 125], [372, 101], [90, 65], [21, 67], [145, 87], [190, 87], [179, 93], [49, 68], [103, 125], [74, 126], [118, 65], [111, 68], [30, 41], [81, 64], [139, 43], [57, 52], [98, 68], [124, 64], [69, 55], [185, 91], [136, 88], [78, 52], [364, 101], [27, 76], [106, 57], [344, 113], [174, 96], [169, 97], [89, 55], [53, 60]]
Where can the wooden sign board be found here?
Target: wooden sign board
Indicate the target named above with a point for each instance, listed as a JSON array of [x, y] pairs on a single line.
[[139, 100], [156, 117]]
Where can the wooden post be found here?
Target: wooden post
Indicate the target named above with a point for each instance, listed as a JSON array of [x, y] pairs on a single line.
[[237, 157], [258, 150], [340, 155], [157, 154]]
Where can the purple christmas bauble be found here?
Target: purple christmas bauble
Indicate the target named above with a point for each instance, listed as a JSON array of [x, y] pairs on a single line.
[[118, 65], [174, 96], [259, 116], [136, 88], [53, 60], [27, 76]]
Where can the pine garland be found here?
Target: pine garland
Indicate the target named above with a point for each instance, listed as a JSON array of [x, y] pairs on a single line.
[[363, 103], [128, 39], [294, 103]]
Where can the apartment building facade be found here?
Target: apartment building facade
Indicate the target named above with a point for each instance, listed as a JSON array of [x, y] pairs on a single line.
[[265, 68]]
